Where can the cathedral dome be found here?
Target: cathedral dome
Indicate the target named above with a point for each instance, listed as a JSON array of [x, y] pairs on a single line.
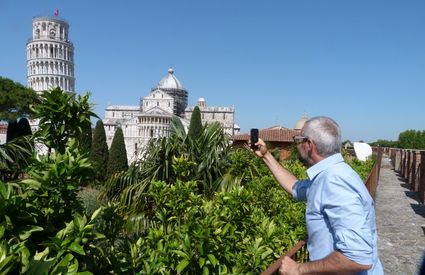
[[301, 122], [170, 81]]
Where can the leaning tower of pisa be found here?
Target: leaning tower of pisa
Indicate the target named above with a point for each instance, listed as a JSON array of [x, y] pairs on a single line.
[[50, 55]]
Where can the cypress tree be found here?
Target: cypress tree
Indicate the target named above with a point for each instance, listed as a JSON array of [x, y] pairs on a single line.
[[85, 138], [117, 161], [24, 127], [12, 130], [99, 151], [195, 126]]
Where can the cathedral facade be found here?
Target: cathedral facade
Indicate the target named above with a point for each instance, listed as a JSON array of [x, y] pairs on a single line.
[[152, 118]]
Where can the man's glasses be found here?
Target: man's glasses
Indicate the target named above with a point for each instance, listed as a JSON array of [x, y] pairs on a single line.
[[299, 139]]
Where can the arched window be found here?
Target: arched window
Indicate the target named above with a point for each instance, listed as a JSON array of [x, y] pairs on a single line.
[[52, 33]]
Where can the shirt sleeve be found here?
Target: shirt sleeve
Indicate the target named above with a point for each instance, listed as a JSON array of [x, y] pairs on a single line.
[[348, 216], [299, 190]]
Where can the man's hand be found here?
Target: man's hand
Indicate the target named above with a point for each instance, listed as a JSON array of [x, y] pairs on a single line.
[[261, 148], [289, 267]]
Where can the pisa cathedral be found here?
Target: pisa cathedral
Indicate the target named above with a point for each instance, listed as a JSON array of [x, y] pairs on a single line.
[[50, 64], [152, 118]]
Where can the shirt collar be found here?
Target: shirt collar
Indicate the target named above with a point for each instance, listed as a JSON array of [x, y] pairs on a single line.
[[324, 164]]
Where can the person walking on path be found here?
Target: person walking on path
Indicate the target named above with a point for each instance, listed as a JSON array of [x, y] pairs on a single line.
[[340, 213]]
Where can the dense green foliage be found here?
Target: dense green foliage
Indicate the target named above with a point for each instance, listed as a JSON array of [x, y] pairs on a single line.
[[15, 100], [362, 168], [117, 161], [189, 206], [99, 151], [62, 117], [195, 126], [41, 230], [15, 157], [241, 229], [177, 157], [237, 232], [411, 139]]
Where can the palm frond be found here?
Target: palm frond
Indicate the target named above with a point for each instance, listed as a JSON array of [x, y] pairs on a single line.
[[15, 154]]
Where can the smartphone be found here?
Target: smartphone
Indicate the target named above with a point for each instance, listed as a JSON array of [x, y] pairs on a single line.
[[254, 138]]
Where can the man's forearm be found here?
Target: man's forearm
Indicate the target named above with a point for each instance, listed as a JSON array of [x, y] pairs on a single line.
[[283, 176], [335, 263]]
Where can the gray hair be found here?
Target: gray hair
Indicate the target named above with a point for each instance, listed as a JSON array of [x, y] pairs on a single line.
[[325, 133]]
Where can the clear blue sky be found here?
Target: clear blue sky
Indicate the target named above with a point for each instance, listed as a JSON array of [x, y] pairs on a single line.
[[361, 62]]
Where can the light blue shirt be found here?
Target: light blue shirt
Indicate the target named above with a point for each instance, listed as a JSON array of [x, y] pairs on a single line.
[[340, 213]]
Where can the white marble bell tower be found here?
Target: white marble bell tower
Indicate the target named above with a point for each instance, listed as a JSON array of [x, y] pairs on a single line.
[[50, 55]]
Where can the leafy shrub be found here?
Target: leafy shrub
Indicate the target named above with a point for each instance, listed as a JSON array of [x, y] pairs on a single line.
[[363, 168], [63, 116], [234, 232], [89, 200]]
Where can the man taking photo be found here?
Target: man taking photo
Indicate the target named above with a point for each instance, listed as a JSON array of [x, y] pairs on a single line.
[[340, 213]]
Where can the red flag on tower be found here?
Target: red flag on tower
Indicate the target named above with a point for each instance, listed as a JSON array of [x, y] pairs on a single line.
[[56, 12]]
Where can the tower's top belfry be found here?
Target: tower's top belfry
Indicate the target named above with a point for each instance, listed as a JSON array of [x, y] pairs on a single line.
[[50, 55]]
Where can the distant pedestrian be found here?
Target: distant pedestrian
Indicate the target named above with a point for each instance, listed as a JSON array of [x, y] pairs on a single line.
[[340, 213]]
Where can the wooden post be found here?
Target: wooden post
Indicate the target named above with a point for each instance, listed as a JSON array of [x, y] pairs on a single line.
[[421, 187], [397, 160], [407, 169], [412, 180], [402, 160]]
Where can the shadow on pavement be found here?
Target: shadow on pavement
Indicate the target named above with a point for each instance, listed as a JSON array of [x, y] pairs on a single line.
[[413, 195], [419, 209]]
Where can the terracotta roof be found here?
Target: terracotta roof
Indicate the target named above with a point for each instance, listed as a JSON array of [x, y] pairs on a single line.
[[275, 134]]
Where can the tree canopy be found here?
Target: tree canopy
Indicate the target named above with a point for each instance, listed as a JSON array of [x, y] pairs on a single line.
[[15, 100], [411, 139]]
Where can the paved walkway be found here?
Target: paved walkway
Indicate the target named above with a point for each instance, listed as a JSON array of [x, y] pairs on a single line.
[[400, 219]]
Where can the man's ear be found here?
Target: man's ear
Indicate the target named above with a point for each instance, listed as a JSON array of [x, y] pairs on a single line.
[[311, 147]]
